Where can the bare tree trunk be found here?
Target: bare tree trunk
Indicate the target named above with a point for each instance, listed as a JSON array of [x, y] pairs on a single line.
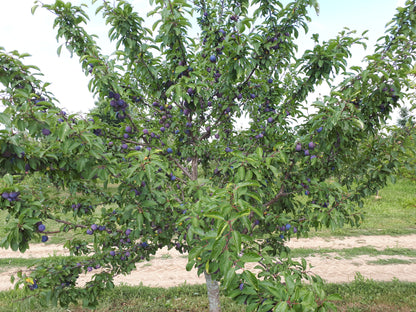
[[213, 291]]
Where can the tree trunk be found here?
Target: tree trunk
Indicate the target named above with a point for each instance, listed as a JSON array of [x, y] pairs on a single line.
[[213, 291]]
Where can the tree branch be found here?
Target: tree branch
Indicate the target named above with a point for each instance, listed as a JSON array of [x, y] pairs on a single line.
[[184, 170], [194, 168], [281, 193], [277, 197]]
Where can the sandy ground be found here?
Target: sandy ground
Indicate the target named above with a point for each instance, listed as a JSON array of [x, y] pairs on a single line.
[[168, 267]]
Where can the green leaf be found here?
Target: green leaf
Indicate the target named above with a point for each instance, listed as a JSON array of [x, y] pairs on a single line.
[[290, 284], [358, 123], [246, 184], [309, 301], [195, 252], [222, 228], [259, 152], [140, 221], [5, 119], [218, 248], [214, 215], [250, 257], [34, 9], [251, 278], [241, 173], [257, 211], [8, 179], [63, 131], [229, 276], [282, 307], [237, 240]]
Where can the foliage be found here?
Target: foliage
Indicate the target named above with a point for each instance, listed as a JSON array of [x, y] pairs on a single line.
[[166, 133]]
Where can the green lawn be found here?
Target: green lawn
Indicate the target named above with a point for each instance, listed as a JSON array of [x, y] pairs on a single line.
[[392, 213]]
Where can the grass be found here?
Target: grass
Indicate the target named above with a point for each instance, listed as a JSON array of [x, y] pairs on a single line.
[[354, 252], [368, 295], [26, 262], [138, 299], [391, 261], [360, 295], [392, 213], [166, 256]]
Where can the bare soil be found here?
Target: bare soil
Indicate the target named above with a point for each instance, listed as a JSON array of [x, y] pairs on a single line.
[[168, 266]]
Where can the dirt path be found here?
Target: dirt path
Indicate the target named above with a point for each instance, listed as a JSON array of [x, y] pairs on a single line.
[[168, 267]]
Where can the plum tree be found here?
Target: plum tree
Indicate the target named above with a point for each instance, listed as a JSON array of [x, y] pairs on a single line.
[[226, 195]]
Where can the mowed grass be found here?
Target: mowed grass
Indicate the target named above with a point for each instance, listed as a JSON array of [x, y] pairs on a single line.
[[360, 295], [349, 253], [392, 212]]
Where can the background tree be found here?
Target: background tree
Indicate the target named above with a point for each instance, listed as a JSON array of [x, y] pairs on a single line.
[[406, 118], [407, 139], [167, 133]]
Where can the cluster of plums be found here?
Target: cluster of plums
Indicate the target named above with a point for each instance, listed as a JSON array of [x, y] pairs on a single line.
[[287, 227], [41, 228], [11, 197], [95, 227], [120, 106]]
